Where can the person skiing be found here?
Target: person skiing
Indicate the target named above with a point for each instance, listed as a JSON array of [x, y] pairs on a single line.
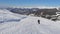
[[38, 21]]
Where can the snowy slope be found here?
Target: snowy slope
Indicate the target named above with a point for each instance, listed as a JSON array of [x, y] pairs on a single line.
[[30, 26], [7, 16], [21, 24]]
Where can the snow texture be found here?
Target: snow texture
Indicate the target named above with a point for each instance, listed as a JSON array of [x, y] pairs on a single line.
[[21, 24]]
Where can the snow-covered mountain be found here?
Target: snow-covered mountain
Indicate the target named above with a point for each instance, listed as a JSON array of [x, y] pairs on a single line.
[[6, 15], [21, 24]]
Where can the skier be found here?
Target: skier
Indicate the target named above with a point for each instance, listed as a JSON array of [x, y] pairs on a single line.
[[38, 21]]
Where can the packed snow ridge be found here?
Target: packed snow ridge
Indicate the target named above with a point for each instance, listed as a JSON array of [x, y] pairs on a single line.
[[26, 24]]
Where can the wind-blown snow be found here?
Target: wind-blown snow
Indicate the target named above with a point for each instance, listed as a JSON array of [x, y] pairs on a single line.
[[28, 25]]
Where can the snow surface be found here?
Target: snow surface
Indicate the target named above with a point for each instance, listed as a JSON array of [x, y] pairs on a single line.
[[7, 16], [21, 24]]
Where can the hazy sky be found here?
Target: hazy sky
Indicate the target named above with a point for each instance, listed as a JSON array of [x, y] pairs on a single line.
[[29, 2]]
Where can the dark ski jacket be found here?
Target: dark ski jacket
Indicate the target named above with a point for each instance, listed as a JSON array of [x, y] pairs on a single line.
[[38, 21]]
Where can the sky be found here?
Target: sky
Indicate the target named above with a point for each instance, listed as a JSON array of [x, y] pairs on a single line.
[[30, 3]]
